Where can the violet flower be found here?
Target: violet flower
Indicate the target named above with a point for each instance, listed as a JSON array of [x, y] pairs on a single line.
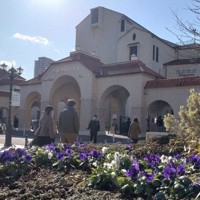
[[153, 160], [68, 153], [28, 158], [95, 154], [181, 169], [195, 160], [134, 170], [149, 176], [83, 156], [169, 171]]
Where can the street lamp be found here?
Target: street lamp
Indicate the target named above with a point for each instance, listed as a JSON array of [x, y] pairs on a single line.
[[13, 73]]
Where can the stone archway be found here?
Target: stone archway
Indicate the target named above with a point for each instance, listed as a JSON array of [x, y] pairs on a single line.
[[157, 110], [64, 88], [32, 109], [113, 104]]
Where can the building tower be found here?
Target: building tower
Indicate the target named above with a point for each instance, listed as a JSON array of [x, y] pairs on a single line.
[[41, 65]]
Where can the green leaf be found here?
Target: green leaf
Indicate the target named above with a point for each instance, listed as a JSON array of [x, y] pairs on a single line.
[[148, 190], [139, 189]]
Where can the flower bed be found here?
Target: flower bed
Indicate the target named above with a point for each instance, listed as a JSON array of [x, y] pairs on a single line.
[[80, 171]]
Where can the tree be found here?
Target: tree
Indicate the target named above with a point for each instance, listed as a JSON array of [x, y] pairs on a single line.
[[189, 29], [188, 125]]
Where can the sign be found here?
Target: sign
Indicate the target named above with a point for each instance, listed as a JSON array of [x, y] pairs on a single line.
[[15, 99]]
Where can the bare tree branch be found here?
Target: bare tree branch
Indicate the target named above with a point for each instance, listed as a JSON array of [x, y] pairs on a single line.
[[189, 29]]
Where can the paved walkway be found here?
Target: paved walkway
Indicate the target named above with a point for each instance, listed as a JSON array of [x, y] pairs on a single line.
[[18, 140]]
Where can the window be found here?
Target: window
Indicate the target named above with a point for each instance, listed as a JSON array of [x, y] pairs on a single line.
[[157, 54], [134, 36], [94, 16], [154, 52], [133, 50], [122, 25]]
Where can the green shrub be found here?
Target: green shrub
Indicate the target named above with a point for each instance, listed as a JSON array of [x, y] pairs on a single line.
[[188, 126]]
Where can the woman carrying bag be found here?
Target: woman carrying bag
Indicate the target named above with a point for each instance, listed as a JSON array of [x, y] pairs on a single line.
[[45, 133]]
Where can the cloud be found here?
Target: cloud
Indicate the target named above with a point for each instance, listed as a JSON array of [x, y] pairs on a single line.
[[34, 39]]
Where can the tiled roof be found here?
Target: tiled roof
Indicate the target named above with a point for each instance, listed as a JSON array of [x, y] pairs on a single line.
[[90, 61], [33, 81], [94, 64], [7, 81], [179, 82], [130, 67], [183, 61]]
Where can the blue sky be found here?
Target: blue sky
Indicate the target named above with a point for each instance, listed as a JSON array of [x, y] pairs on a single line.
[[35, 28]]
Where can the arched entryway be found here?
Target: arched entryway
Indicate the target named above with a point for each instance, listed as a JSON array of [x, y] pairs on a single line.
[[32, 109], [113, 105], [156, 112], [64, 88]]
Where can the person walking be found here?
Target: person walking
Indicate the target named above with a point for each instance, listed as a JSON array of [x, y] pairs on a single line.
[[114, 126], [134, 130], [94, 127], [15, 122], [68, 124], [45, 133]]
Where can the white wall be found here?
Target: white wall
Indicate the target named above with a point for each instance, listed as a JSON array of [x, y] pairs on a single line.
[[177, 71], [174, 96]]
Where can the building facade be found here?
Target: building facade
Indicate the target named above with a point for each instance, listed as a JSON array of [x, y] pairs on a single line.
[[5, 95], [119, 70]]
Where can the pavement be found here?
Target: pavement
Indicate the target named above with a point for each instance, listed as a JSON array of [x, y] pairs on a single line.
[[18, 138]]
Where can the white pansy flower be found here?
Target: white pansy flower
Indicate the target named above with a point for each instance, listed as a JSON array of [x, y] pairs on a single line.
[[50, 155], [164, 159], [170, 158], [183, 160], [114, 164], [107, 165], [104, 149], [123, 171], [108, 156], [113, 174], [94, 164], [116, 157]]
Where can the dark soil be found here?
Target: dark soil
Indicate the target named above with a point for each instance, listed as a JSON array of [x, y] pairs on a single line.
[[49, 184]]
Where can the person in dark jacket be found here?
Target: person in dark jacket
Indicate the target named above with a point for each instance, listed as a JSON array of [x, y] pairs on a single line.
[[15, 122], [94, 127], [68, 124], [45, 133]]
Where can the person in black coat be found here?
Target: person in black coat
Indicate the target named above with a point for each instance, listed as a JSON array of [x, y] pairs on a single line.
[[94, 127]]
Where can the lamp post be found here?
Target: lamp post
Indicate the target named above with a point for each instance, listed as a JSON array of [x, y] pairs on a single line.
[[13, 73]]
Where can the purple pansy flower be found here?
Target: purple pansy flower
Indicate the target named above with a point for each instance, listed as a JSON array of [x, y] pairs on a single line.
[[134, 170], [149, 176], [83, 156], [153, 160], [195, 160], [169, 171], [95, 154], [181, 169]]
